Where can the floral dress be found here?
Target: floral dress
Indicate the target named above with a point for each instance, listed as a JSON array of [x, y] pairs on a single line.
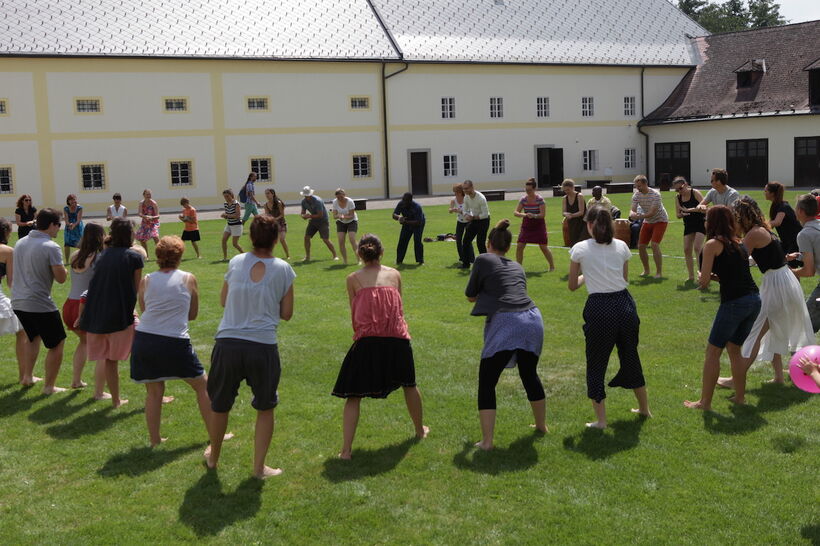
[[72, 236], [148, 229]]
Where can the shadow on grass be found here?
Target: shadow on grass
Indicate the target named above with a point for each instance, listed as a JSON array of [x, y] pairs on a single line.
[[367, 462], [406, 267], [778, 397], [336, 266], [687, 286], [788, 443], [8, 386], [90, 423], [812, 533], [141, 460], [214, 262], [744, 419], [520, 455], [645, 281], [536, 274], [60, 409], [597, 444], [207, 510], [16, 401]]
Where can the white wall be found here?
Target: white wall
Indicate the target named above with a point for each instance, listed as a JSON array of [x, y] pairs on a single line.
[[18, 89]]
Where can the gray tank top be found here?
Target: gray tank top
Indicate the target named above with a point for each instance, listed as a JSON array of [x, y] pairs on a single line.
[[167, 301], [80, 282]]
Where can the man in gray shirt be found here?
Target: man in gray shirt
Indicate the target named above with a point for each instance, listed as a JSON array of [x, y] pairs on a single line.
[[315, 212], [721, 193], [808, 243], [38, 262]]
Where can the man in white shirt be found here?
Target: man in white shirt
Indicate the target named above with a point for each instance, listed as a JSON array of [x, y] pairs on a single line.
[[477, 214], [721, 193]]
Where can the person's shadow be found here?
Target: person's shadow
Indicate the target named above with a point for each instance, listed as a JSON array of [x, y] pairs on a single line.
[[367, 462], [519, 455], [811, 532], [744, 419], [597, 444], [207, 510], [15, 401], [778, 397], [140, 460], [90, 423], [59, 409]]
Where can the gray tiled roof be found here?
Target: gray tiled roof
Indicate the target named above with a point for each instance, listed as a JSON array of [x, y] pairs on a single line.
[[636, 32]]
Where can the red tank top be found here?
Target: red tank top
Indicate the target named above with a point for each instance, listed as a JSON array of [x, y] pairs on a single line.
[[377, 312]]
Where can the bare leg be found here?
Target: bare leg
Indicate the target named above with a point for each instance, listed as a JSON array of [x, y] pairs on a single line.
[[282, 236], [145, 245], [728, 382], [412, 398], [78, 364], [21, 349], [740, 366], [330, 247], [487, 419], [342, 248], [153, 411], [777, 366], [236, 244], [307, 248], [539, 413], [688, 244], [350, 419], [54, 358], [112, 377], [711, 371], [545, 250], [196, 248], [699, 237], [644, 255], [519, 252], [600, 415], [30, 350], [658, 258], [261, 443], [203, 401], [99, 381], [225, 236], [351, 235], [66, 251], [643, 402], [219, 424]]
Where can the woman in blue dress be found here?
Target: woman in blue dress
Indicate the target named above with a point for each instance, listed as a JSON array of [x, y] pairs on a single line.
[[73, 224]]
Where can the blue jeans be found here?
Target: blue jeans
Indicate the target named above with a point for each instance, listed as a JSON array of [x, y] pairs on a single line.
[[734, 320]]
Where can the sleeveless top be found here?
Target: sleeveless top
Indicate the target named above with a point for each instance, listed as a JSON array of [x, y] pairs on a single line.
[[770, 256], [167, 300], [116, 212], [377, 312], [696, 218], [2, 271], [230, 208], [80, 281], [148, 210], [460, 214], [732, 268]]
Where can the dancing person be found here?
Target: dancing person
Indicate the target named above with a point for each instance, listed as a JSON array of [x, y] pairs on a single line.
[[276, 208], [250, 202], [381, 358], [655, 221], [24, 216], [148, 211], [257, 294], [513, 330], [573, 208], [808, 243], [782, 217], [38, 262], [610, 317], [783, 323], [410, 215], [233, 227], [725, 259], [315, 212], [107, 316], [9, 323], [457, 207], [116, 209], [347, 221], [162, 350], [73, 224], [721, 193], [694, 229], [533, 212], [81, 266], [598, 200], [477, 215], [190, 231]]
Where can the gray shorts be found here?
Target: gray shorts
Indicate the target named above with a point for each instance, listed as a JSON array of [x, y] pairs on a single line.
[[321, 226], [342, 227], [235, 360]]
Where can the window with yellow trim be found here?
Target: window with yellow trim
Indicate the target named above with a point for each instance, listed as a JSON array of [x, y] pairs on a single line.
[[262, 167], [176, 104], [88, 106], [361, 166], [4, 107], [360, 103], [182, 173], [93, 176], [258, 104], [6, 180]]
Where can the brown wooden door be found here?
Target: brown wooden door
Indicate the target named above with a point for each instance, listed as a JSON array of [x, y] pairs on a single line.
[[807, 162], [419, 173], [748, 162]]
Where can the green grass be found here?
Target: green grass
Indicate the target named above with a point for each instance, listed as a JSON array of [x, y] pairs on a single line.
[[75, 471]]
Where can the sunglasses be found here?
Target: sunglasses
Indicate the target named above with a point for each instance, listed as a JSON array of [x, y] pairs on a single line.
[[26, 200], [58, 224]]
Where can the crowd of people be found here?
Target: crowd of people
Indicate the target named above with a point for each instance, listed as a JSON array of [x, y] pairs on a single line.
[[107, 284]]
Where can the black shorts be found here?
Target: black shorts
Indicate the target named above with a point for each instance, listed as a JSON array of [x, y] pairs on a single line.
[[322, 227], [48, 326], [234, 360], [190, 235], [341, 227]]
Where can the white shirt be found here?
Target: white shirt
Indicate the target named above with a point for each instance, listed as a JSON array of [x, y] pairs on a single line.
[[116, 212], [476, 206], [347, 209], [603, 265]]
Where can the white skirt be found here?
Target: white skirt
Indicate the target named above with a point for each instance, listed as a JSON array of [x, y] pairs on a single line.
[[8, 320], [783, 305]]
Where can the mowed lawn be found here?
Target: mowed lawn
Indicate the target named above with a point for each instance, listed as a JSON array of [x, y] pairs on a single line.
[[74, 471]]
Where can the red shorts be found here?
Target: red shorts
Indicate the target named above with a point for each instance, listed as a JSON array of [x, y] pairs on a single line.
[[652, 232], [71, 311], [113, 346]]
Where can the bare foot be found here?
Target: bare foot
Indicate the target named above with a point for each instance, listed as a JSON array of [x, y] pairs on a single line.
[[228, 436], [31, 383], [658, 276], [335, 259], [697, 405], [484, 447], [103, 396], [541, 430], [644, 274], [167, 399], [267, 472], [550, 270], [306, 259], [345, 455], [120, 403], [161, 440], [726, 382], [596, 424], [80, 385], [641, 413], [425, 430], [777, 381], [734, 399], [52, 390]]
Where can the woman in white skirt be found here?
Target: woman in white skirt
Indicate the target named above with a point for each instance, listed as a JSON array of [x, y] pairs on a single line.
[[783, 324], [8, 320]]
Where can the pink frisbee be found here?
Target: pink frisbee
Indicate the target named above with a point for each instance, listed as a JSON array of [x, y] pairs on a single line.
[[801, 380]]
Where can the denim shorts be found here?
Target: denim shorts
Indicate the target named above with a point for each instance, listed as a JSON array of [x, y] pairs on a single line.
[[734, 320]]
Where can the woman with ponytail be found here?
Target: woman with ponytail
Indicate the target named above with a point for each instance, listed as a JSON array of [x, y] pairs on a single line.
[[380, 359], [513, 330], [610, 317], [782, 217]]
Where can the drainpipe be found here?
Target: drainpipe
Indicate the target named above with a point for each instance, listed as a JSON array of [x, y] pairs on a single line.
[[641, 131], [385, 135]]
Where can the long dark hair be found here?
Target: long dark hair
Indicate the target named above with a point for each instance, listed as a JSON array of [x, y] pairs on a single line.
[[90, 244], [721, 225], [601, 220], [749, 215], [5, 231], [500, 236], [275, 208], [777, 190], [122, 232]]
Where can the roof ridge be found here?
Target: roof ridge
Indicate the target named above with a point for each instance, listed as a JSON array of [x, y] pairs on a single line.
[[386, 30], [760, 29]]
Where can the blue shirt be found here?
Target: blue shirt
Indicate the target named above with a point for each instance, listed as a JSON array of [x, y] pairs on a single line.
[[411, 212], [314, 205]]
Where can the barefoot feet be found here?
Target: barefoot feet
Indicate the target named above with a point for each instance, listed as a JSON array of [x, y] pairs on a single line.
[[103, 396], [30, 382], [118, 403], [267, 472], [483, 446], [697, 405], [725, 383], [167, 399], [425, 430], [646, 413], [597, 425]]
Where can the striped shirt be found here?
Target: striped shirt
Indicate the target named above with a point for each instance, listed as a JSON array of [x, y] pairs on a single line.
[[532, 208], [646, 201], [230, 210]]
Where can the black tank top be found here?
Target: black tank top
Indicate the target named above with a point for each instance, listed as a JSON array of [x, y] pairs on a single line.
[[2, 270], [770, 256], [732, 268], [690, 203]]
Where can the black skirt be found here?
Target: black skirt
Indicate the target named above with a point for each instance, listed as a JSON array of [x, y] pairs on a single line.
[[374, 367], [157, 358]]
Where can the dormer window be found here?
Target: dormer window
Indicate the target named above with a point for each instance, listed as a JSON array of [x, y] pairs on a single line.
[[814, 88], [750, 73]]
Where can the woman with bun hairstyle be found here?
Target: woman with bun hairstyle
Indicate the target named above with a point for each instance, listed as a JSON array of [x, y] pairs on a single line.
[[513, 329], [380, 359], [610, 317], [533, 211]]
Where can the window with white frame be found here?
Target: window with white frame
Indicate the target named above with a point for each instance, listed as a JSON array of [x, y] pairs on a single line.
[[542, 107], [589, 160], [6, 180], [448, 107], [258, 103], [450, 165], [497, 163], [261, 166], [93, 176], [176, 104], [360, 103], [629, 106], [587, 107], [361, 166], [629, 158], [88, 106], [496, 107], [4, 107], [182, 173]]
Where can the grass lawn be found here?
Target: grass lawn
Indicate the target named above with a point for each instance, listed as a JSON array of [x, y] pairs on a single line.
[[74, 471]]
